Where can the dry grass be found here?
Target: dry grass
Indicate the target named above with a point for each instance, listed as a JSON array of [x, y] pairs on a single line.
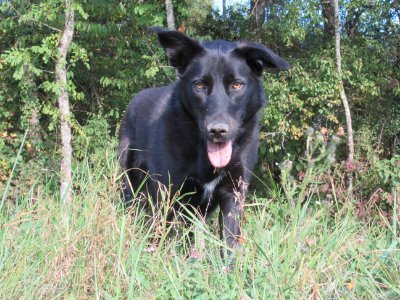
[[96, 249]]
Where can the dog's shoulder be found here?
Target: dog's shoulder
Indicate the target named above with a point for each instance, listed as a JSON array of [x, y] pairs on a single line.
[[149, 100]]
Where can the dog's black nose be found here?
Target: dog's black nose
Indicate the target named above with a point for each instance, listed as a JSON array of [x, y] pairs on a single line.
[[218, 130]]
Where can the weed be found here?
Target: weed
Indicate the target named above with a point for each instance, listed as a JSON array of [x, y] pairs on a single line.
[[292, 247]]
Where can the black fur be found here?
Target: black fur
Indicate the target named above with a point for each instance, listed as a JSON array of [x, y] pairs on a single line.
[[165, 130]]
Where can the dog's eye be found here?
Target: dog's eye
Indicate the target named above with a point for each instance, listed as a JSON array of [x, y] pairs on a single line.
[[237, 85], [199, 85]]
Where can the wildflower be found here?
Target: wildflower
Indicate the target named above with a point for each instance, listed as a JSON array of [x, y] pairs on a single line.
[[324, 131], [350, 166], [319, 137], [287, 165], [309, 131], [340, 131]]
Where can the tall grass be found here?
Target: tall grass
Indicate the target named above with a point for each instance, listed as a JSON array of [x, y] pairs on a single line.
[[97, 250]]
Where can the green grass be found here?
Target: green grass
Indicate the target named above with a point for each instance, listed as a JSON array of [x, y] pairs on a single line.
[[95, 249]]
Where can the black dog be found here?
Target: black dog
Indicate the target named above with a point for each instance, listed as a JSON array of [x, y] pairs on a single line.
[[199, 134]]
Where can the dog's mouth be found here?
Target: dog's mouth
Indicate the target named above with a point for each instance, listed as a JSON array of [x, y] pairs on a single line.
[[219, 154]]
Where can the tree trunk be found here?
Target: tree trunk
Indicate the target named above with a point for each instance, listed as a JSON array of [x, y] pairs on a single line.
[[63, 103], [329, 18], [260, 12], [224, 8], [395, 7], [170, 14], [343, 97], [258, 8], [353, 20]]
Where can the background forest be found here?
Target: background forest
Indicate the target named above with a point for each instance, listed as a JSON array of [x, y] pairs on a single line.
[[307, 235]]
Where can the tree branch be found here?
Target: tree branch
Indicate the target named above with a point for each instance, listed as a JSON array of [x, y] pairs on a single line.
[[36, 21]]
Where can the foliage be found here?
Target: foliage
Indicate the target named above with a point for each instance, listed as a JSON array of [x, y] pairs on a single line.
[[305, 97], [389, 172], [111, 58], [306, 178]]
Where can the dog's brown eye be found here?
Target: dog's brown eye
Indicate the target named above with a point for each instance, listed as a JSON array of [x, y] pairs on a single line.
[[237, 85], [199, 85]]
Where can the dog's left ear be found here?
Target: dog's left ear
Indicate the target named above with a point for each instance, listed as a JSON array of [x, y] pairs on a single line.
[[259, 57], [179, 48]]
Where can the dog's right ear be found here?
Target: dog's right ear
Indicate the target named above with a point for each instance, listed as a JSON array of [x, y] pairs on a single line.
[[180, 49]]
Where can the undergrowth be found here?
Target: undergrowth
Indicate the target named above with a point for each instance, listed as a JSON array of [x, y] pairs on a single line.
[[303, 240]]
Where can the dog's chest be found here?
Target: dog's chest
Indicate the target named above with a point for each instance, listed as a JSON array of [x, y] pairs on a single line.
[[209, 188]]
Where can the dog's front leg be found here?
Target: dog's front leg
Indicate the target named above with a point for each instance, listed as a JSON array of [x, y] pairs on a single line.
[[231, 200]]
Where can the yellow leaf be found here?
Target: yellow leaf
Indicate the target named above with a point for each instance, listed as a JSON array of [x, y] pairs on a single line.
[[350, 285]]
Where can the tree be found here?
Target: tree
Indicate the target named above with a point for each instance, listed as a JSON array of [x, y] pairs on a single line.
[[63, 103], [343, 97], [170, 14], [258, 9], [329, 18]]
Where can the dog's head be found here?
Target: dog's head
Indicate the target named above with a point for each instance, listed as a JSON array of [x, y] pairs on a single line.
[[220, 85]]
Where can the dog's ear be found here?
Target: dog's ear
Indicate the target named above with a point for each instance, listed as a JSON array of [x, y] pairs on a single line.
[[259, 57], [179, 48]]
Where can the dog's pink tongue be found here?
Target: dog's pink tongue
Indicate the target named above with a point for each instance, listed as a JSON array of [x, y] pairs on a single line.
[[219, 154]]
